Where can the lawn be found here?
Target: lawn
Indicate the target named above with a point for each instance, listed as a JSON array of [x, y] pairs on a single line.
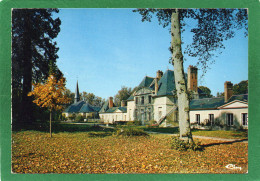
[[81, 152], [231, 134]]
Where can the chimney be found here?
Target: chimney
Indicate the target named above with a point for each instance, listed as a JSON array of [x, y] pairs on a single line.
[[159, 74], [123, 103], [110, 102], [192, 78], [228, 90], [156, 87]]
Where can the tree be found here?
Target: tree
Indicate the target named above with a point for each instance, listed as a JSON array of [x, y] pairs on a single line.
[[123, 94], [71, 95], [220, 94], [241, 88], [93, 99], [33, 31], [206, 90], [50, 94], [212, 28]]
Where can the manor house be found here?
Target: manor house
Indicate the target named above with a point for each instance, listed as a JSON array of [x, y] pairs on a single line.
[[153, 101]]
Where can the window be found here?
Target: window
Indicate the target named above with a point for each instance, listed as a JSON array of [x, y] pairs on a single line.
[[211, 119], [136, 100], [142, 100], [244, 119], [142, 115], [198, 118], [150, 99], [229, 119], [149, 114], [136, 114]]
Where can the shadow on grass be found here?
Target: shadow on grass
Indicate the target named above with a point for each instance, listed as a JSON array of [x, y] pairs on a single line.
[[170, 130], [102, 134], [61, 127], [223, 143]]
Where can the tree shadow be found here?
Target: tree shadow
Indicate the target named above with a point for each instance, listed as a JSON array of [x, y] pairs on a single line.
[[223, 143]]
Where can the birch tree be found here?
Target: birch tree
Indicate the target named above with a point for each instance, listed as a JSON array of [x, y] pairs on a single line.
[[212, 28]]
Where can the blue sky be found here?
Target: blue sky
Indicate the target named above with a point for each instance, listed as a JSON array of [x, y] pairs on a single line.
[[105, 49]]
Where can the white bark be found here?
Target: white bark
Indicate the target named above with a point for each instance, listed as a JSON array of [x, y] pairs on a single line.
[[181, 87]]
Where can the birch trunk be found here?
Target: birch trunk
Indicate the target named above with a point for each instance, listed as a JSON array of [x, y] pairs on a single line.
[[181, 87]]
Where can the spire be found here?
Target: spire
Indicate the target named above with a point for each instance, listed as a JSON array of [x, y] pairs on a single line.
[[76, 99]]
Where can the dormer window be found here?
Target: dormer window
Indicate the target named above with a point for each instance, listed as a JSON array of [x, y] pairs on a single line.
[[136, 100]]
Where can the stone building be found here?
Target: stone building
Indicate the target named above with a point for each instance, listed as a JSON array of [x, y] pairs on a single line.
[[80, 107], [228, 111], [111, 114], [154, 100]]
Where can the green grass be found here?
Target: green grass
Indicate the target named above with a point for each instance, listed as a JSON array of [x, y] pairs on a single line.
[[67, 127], [169, 130], [238, 134]]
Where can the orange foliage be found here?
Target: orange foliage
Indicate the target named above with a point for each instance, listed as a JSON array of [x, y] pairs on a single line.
[[51, 94], [33, 152]]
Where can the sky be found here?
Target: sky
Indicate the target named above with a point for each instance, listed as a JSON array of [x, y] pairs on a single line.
[[105, 49]]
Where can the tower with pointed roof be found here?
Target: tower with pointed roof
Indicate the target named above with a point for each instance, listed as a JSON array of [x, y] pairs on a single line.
[[76, 99]]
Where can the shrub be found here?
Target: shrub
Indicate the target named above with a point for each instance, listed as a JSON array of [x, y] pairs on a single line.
[[79, 118], [129, 131], [72, 116], [134, 123], [181, 145], [153, 126]]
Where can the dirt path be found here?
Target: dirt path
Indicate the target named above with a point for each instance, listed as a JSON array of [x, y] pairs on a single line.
[[206, 137]]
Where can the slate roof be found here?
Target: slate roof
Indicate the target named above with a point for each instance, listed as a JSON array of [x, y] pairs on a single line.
[[207, 103], [146, 82], [113, 109], [242, 97], [81, 107], [105, 107], [213, 103], [130, 98], [166, 84]]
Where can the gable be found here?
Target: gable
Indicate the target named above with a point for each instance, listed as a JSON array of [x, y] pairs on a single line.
[[118, 111], [234, 105], [143, 90]]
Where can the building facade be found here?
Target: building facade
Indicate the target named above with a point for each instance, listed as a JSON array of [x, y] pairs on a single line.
[[80, 107], [228, 111], [154, 100]]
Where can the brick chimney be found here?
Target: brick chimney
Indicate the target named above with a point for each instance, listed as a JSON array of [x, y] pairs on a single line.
[[156, 87], [192, 78], [110, 102], [159, 74], [228, 90], [123, 103]]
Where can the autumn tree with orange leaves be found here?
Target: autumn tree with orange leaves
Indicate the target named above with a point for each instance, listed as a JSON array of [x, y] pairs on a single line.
[[51, 94]]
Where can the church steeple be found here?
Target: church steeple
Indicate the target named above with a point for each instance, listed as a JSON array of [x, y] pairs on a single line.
[[76, 99]]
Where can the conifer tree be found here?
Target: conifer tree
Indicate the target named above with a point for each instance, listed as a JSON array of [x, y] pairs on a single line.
[[33, 31]]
